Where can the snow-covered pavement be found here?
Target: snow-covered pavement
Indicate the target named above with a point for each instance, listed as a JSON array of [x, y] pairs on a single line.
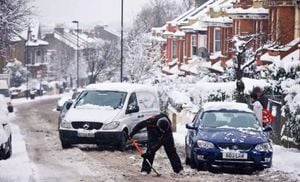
[[44, 159], [287, 160], [18, 168]]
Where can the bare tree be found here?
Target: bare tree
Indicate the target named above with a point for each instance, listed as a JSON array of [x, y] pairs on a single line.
[[14, 16], [141, 58], [155, 14], [101, 60], [187, 4]]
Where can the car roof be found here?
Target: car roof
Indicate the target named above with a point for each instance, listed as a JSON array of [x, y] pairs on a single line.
[[123, 87], [215, 106]]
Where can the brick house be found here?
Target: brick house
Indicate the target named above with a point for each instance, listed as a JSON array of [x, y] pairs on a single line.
[[28, 48], [284, 28], [185, 40], [35, 51], [63, 46]]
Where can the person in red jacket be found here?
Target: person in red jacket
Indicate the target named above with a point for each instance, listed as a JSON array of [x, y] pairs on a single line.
[[159, 134]]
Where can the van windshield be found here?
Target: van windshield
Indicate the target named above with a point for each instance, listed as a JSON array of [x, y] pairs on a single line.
[[101, 99]]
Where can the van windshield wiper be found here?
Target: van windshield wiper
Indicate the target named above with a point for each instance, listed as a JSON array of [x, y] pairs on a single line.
[[80, 98]]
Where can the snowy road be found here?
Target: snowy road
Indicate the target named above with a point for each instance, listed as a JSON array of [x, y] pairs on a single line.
[[48, 162]]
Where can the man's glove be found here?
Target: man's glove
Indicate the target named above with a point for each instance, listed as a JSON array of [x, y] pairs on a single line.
[[146, 155]]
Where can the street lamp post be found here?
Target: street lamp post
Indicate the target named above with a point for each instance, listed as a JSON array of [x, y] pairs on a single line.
[[122, 25], [77, 51]]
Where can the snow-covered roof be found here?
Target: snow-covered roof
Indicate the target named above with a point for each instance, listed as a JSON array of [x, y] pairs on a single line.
[[251, 10], [122, 87], [173, 70], [211, 106], [70, 38], [221, 19], [287, 46]]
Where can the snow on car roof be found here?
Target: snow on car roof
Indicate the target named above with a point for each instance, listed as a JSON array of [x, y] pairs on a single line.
[[123, 87], [209, 106]]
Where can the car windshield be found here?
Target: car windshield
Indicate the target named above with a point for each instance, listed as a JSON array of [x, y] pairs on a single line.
[[223, 119], [113, 99]]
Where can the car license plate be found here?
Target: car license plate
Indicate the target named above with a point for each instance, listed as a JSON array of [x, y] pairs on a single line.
[[234, 155], [84, 133]]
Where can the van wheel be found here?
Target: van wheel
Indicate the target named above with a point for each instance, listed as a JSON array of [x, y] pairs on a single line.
[[65, 145], [9, 152], [123, 141]]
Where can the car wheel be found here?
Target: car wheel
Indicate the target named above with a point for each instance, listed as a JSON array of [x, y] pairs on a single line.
[[9, 151], [193, 161], [65, 145], [200, 166], [123, 141], [187, 160]]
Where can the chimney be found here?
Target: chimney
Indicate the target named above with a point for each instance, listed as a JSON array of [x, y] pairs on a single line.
[[29, 35]]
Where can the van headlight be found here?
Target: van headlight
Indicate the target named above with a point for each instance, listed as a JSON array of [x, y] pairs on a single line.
[[264, 147], [111, 125], [205, 144], [65, 124]]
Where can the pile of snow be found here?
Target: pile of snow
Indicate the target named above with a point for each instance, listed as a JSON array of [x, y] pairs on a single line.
[[211, 106], [18, 167]]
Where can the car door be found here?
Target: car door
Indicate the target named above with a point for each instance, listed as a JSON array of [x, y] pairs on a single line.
[[192, 133]]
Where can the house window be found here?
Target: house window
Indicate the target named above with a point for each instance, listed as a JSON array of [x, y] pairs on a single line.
[[193, 45], [174, 49], [217, 40]]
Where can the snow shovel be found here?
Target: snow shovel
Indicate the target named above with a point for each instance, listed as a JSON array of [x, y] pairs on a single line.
[[138, 148]]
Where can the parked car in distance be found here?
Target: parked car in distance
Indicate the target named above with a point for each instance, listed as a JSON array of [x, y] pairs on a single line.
[[104, 114], [5, 131], [227, 134], [64, 99]]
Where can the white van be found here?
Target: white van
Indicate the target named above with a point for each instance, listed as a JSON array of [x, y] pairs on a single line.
[[105, 114]]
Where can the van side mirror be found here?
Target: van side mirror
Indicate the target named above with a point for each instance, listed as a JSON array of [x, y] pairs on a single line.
[[69, 104], [268, 129], [190, 126], [132, 109]]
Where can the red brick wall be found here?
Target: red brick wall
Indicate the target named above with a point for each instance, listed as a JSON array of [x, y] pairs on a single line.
[[283, 24], [188, 45]]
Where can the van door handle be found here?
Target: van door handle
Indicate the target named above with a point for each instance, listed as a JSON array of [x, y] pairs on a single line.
[[140, 116]]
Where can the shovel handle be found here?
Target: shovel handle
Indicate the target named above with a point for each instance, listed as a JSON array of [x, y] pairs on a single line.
[[138, 148]]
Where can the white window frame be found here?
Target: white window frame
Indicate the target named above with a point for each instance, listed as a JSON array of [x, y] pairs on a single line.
[[174, 49], [193, 43], [215, 41]]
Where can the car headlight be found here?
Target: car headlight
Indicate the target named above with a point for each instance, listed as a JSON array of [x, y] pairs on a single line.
[[264, 147], [65, 124], [205, 144], [111, 125]]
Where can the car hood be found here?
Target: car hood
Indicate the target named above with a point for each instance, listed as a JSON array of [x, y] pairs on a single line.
[[226, 135], [91, 115]]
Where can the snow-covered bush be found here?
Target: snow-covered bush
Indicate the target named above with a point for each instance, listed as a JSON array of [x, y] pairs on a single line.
[[16, 71]]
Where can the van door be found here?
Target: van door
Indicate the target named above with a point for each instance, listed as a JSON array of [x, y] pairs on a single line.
[[148, 107]]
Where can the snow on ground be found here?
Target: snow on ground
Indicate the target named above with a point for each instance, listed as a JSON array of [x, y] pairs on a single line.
[[18, 167], [287, 160], [39, 98]]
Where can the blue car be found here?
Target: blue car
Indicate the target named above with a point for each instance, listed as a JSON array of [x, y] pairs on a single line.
[[227, 134]]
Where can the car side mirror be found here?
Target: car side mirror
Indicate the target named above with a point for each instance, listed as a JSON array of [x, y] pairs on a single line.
[[190, 126], [132, 109], [267, 129], [58, 109], [69, 104]]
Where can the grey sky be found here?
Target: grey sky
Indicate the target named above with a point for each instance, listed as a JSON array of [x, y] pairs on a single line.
[[87, 11]]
